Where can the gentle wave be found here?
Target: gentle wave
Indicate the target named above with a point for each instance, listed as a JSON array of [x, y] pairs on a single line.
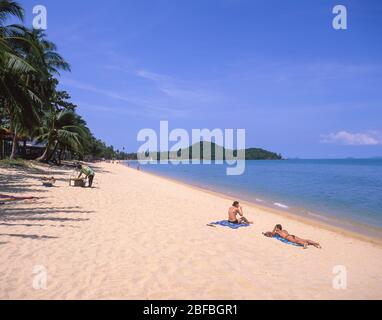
[[280, 205]]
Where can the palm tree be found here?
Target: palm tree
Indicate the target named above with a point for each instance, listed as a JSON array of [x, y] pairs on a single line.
[[84, 137], [7, 9], [39, 84], [29, 98], [61, 128], [11, 37], [44, 53], [48, 60], [17, 98]]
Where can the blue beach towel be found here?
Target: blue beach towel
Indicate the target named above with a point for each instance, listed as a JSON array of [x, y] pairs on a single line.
[[286, 241], [226, 223]]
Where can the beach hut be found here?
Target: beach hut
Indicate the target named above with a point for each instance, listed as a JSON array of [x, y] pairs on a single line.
[[29, 150]]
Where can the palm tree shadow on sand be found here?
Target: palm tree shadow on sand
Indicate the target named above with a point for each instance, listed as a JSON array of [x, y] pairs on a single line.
[[50, 218]]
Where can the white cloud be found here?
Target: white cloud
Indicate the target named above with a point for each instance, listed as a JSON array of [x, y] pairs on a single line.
[[136, 105], [370, 138], [153, 76], [176, 89]]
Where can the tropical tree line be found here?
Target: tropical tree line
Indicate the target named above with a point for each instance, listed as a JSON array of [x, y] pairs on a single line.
[[31, 105]]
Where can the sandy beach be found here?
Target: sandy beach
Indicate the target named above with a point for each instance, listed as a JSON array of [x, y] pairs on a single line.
[[139, 236]]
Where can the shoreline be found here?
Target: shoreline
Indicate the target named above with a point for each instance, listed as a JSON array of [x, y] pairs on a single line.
[[312, 221]]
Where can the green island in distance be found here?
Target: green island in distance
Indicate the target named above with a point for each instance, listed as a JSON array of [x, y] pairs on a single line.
[[250, 153]]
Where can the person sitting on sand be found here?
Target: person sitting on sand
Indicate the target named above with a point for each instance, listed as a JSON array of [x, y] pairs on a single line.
[[278, 230], [88, 172], [235, 210]]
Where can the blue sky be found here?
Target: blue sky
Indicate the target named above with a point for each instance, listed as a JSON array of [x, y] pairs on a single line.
[[276, 68]]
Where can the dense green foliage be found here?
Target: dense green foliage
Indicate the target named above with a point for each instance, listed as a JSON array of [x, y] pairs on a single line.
[[31, 106], [261, 154]]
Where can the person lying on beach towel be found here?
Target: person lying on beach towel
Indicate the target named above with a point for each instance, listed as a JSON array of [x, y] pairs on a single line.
[[5, 198], [278, 231], [236, 210]]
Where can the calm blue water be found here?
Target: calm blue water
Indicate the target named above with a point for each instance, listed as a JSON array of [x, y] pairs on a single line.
[[341, 189]]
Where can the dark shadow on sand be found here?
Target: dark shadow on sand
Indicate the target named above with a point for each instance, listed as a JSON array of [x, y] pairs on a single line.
[[39, 211], [42, 214], [31, 225], [27, 236], [47, 219], [16, 185], [11, 216]]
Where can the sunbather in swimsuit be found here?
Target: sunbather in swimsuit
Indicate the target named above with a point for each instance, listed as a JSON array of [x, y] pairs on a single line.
[[278, 230], [235, 210]]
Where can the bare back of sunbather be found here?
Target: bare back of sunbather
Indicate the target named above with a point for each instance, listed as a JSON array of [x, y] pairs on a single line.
[[278, 230]]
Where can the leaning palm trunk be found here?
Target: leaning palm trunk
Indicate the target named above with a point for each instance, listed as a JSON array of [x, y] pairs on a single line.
[[51, 154], [14, 146], [45, 155]]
